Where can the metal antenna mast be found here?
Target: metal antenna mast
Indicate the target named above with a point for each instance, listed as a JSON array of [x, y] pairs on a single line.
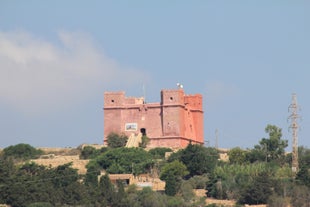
[[293, 108], [144, 94]]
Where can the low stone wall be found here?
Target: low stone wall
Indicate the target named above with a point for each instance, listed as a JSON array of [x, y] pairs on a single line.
[[226, 203]]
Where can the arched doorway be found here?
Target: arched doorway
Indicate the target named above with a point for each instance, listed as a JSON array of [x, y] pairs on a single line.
[[143, 131]]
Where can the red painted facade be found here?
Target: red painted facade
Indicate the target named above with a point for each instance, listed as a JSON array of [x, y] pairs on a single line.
[[174, 122]]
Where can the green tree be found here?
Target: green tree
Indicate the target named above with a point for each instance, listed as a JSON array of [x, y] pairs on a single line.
[[32, 183], [199, 181], [89, 152], [93, 170], [175, 155], [40, 204], [106, 190], [24, 185], [228, 180], [64, 175], [187, 190], [304, 157], [237, 155], [271, 149], [115, 140], [173, 173], [75, 194], [303, 176], [7, 171], [159, 152], [176, 201], [278, 201], [120, 195], [256, 155], [199, 159], [21, 152], [125, 160], [147, 197], [274, 146], [259, 191], [300, 196]]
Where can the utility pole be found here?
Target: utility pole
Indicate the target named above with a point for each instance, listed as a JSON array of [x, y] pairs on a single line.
[[216, 139], [294, 117]]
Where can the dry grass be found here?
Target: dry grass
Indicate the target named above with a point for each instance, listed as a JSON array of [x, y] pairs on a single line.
[[61, 160], [54, 157]]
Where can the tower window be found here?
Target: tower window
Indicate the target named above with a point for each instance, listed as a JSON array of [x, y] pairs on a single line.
[[171, 98], [112, 100]]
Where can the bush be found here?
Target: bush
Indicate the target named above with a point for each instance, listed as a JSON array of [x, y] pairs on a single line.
[[115, 140], [159, 152], [89, 152], [145, 141], [125, 160], [40, 204], [199, 181], [259, 191], [21, 152]]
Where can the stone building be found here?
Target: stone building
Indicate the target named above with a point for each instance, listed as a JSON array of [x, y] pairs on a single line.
[[174, 122]]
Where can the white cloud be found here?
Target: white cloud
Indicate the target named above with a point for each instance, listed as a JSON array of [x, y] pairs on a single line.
[[37, 75]]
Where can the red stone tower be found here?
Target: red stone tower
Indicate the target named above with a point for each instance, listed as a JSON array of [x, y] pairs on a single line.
[[174, 122]]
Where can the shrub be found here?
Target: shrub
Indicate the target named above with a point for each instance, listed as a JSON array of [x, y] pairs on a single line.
[[115, 140], [89, 152], [21, 152], [159, 152]]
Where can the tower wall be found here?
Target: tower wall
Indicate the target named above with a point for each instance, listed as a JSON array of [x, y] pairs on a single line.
[[172, 112], [113, 102], [194, 106], [174, 122]]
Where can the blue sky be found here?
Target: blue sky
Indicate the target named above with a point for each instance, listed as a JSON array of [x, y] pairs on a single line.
[[57, 58]]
